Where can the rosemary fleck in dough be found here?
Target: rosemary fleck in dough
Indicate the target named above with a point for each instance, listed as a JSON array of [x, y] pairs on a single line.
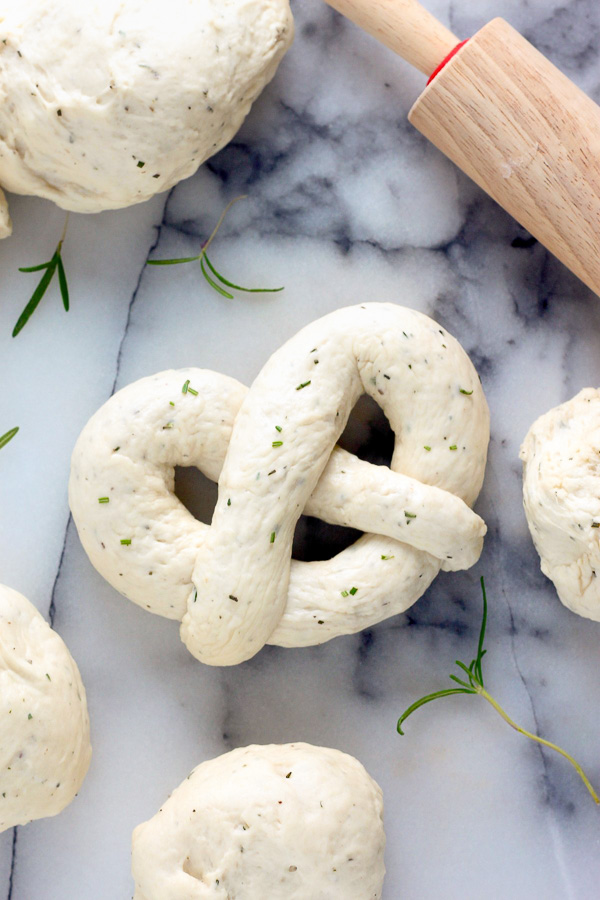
[[105, 104], [561, 496], [44, 728], [276, 822]]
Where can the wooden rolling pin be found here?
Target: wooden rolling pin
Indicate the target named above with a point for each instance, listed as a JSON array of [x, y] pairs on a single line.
[[508, 118]]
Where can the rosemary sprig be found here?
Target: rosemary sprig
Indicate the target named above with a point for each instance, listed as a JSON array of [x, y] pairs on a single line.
[[8, 437], [475, 685], [205, 264], [53, 265]]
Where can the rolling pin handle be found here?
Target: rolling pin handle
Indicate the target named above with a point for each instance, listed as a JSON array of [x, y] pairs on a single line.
[[405, 27]]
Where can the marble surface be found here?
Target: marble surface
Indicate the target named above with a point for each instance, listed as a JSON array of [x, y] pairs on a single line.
[[346, 203]]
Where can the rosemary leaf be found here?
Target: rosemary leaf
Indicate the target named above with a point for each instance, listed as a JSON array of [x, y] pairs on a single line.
[[213, 284], [35, 268], [5, 438], [238, 287], [36, 296], [62, 281], [172, 262]]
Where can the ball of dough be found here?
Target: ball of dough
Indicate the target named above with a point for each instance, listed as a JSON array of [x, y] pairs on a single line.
[[561, 495], [105, 104], [44, 727], [279, 821], [5, 222]]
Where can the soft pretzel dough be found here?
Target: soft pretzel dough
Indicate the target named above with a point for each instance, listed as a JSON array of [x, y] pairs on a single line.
[[278, 822], [105, 104], [417, 514], [44, 728], [561, 496], [5, 222]]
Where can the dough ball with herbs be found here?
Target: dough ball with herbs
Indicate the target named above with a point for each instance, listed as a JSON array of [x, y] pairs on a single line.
[[106, 104], [286, 821], [561, 495], [44, 727]]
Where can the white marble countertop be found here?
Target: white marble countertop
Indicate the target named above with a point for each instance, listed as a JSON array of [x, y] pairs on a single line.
[[346, 203]]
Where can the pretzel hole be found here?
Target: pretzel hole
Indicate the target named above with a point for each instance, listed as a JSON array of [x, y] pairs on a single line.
[[315, 540], [368, 435], [197, 492]]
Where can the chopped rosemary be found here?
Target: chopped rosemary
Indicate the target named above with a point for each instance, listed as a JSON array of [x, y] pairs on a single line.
[[303, 385], [202, 258], [55, 264], [8, 436], [103, 499], [186, 389], [475, 685]]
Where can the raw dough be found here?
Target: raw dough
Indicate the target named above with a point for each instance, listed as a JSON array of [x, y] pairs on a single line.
[[561, 495], [44, 728], [147, 544], [277, 822], [104, 104], [5, 222]]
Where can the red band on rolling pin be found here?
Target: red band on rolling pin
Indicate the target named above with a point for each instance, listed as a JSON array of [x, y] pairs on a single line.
[[446, 60]]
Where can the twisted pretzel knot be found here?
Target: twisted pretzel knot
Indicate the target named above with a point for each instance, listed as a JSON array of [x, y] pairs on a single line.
[[272, 449]]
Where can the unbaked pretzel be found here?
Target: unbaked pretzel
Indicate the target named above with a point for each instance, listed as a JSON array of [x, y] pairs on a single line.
[[272, 449]]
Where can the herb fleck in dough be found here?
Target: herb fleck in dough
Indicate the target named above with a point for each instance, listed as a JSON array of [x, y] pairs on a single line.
[[276, 822]]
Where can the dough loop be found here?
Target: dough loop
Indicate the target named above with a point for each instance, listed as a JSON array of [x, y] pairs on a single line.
[[272, 449]]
